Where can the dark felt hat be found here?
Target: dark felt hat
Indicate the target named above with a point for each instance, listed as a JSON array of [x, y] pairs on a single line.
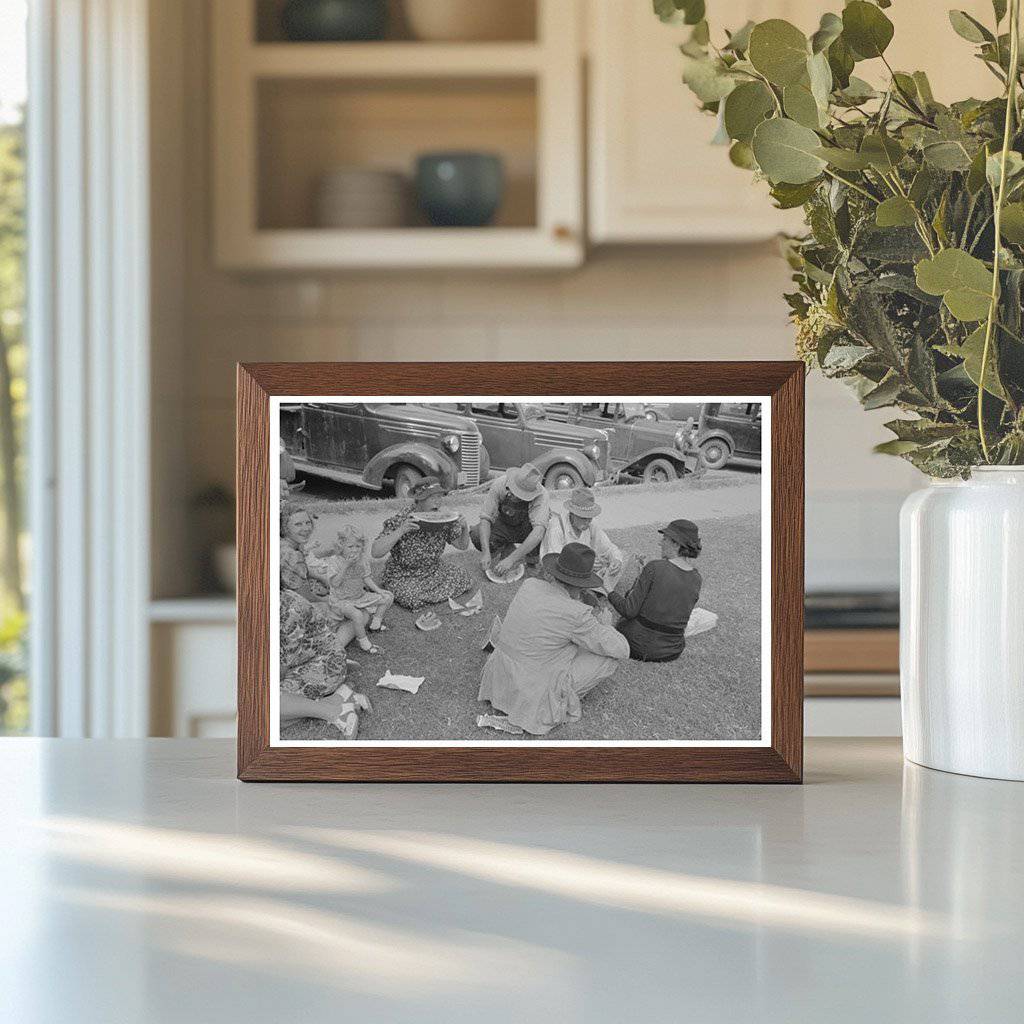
[[574, 565], [684, 533]]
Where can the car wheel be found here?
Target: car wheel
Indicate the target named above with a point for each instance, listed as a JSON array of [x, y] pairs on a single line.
[[659, 471], [562, 478], [714, 453], [406, 477]]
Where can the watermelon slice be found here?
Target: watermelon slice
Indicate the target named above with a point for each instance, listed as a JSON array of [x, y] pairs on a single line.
[[428, 622]]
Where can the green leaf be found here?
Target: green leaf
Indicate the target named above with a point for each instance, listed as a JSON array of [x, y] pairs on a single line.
[[745, 108], [866, 29], [819, 74], [971, 352], [947, 156], [923, 431], [739, 41], [895, 212], [829, 30], [976, 173], [883, 152], [741, 155], [841, 63], [922, 185], [787, 152], [885, 394], [999, 9], [689, 12], [801, 106], [1012, 223], [924, 88], [707, 78], [788, 196], [844, 159], [895, 447], [963, 281], [858, 91], [779, 51], [993, 167], [969, 28]]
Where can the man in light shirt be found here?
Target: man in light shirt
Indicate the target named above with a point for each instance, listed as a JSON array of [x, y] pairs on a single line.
[[575, 524]]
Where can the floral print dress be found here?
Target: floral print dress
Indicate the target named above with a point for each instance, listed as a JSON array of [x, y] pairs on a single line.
[[415, 571], [313, 662]]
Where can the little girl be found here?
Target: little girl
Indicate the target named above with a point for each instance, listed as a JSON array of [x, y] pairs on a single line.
[[345, 567]]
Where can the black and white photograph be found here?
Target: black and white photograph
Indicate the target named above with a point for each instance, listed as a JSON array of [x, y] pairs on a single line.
[[520, 570]]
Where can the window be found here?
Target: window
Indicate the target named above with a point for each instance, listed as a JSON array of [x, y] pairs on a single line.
[[14, 692]]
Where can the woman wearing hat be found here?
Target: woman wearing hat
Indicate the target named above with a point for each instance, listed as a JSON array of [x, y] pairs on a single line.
[[576, 524], [657, 609], [415, 572], [551, 650], [513, 519]]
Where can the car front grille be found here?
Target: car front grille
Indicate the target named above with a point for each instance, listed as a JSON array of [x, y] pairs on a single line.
[[469, 457]]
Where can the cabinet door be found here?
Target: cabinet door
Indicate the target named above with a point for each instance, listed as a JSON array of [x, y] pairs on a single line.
[[654, 176]]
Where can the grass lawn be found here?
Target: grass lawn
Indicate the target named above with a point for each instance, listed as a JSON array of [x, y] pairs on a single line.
[[711, 692]]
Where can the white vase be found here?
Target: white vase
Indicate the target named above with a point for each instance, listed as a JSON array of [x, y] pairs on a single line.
[[962, 624]]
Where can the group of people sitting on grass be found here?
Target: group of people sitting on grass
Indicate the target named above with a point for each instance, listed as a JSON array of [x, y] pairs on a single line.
[[566, 629]]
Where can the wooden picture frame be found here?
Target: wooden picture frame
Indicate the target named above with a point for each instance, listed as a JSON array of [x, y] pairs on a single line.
[[779, 759]]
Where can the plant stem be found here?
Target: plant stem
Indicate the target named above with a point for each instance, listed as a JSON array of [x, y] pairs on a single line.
[[1011, 108], [853, 185]]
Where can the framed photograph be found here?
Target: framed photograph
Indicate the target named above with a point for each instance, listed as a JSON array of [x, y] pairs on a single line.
[[578, 572]]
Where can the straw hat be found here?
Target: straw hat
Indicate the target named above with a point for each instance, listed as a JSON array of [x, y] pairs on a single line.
[[526, 482], [581, 503]]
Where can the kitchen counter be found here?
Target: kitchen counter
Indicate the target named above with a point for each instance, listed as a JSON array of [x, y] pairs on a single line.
[[140, 882]]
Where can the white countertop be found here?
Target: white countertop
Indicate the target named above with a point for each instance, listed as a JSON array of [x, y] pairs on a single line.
[[140, 882]]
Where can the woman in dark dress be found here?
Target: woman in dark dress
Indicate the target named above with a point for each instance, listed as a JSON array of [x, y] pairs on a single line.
[[658, 607]]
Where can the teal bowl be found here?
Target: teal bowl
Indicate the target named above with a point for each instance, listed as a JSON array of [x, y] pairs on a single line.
[[334, 21], [462, 190]]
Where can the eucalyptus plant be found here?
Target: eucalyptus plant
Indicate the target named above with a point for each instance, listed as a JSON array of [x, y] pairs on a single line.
[[910, 277]]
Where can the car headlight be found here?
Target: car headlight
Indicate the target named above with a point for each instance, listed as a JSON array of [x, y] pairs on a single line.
[[680, 438], [593, 452], [452, 443]]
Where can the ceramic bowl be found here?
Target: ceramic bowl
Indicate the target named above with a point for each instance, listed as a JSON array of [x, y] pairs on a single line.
[[334, 21], [460, 189], [470, 20]]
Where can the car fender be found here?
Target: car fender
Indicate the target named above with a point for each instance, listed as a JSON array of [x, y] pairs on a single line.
[[687, 460], [429, 461], [576, 459], [717, 435]]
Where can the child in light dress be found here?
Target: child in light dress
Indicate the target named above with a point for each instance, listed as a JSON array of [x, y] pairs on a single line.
[[353, 594]]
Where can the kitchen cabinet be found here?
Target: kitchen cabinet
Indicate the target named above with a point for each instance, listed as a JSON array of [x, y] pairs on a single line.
[[653, 175], [288, 114]]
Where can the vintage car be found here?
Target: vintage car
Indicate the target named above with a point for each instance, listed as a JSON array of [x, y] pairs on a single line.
[[513, 433], [729, 430], [681, 412], [652, 450], [378, 445]]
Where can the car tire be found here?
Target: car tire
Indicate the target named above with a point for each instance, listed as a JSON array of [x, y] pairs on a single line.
[[563, 477], [659, 471], [406, 477], [715, 453]]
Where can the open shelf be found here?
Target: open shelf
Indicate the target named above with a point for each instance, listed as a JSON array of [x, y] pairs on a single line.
[[393, 60], [308, 127]]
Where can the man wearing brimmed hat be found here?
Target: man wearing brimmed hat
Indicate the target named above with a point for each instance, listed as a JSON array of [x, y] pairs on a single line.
[[657, 609], [577, 523], [513, 519], [551, 650]]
